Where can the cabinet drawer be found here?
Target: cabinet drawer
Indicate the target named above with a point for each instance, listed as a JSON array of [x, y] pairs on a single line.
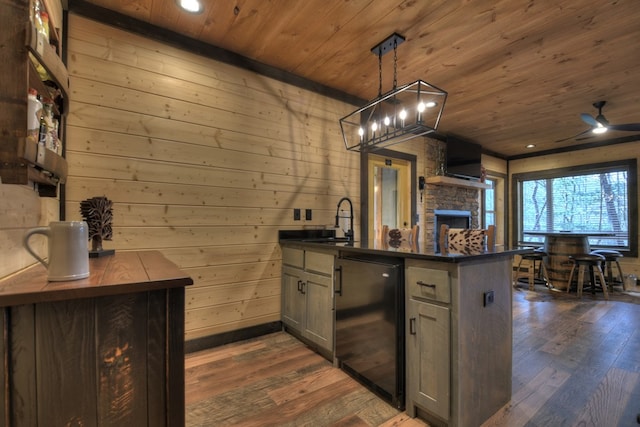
[[428, 284], [319, 262], [293, 257]]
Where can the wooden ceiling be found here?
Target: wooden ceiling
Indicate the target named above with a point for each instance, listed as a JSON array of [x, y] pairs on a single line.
[[517, 72]]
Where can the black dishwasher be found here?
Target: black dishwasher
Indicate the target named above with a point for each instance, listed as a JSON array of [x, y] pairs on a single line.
[[370, 323]]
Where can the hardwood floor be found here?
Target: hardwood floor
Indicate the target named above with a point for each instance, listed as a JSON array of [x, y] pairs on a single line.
[[575, 362], [275, 380]]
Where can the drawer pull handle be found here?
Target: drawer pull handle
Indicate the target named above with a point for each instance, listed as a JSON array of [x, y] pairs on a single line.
[[428, 285], [412, 326]]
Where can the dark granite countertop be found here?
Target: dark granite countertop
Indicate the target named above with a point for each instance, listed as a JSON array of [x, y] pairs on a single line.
[[378, 247]]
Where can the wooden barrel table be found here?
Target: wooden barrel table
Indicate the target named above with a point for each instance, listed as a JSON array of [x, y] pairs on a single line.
[[559, 247]]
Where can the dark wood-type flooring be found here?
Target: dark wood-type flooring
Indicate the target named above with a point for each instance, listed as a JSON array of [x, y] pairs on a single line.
[[575, 363]]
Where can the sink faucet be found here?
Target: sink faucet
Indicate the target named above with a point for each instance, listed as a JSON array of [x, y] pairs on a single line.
[[348, 234]]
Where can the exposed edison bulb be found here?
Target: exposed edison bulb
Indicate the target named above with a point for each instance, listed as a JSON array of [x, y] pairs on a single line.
[[421, 107], [361, 132], [387, 121], [599, 129], [192, 6], [374, 126], [403, 114]]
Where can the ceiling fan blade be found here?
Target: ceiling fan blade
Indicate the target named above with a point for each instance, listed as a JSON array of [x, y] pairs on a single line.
[[629, 127], [575, 136], [589, 120], [591, 135]]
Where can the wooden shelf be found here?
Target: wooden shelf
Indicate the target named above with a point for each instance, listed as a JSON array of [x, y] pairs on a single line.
[[457, 182], [20, 162], [49, 59], [51, 162]]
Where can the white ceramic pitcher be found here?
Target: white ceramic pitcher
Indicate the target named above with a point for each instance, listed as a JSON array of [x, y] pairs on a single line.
[[68, 251]]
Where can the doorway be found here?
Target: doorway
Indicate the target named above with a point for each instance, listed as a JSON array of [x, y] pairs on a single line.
[[388, 191]]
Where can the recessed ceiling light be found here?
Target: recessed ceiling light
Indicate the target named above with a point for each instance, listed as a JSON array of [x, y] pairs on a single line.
[[530, 146], [191, 6]]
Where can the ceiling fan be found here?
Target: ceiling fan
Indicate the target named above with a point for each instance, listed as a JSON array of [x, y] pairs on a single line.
[[599, 124]]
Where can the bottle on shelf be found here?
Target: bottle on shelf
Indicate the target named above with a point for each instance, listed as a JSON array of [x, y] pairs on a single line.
[[34, 111], [57, 147], [50, 133], [41, 36], [44, 17]]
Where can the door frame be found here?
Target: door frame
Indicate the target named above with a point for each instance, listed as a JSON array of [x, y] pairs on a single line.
[[364, 187]]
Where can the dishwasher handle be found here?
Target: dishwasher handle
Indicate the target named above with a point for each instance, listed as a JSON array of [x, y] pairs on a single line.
[[338, 289]]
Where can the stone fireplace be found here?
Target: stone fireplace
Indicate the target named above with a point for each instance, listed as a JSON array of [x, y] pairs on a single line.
[[459, 207], [453, 218]]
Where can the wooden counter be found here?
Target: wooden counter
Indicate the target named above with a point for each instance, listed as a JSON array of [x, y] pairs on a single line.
[[107, 350]]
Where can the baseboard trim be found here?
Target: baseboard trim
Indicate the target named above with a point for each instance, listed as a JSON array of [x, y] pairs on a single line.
[[232, 336]]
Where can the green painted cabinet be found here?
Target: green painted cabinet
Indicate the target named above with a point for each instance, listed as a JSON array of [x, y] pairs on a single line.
[[307, 296]]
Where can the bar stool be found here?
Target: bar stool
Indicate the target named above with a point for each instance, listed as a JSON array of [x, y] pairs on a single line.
[[534, 256], [591, 262], [611, 256]]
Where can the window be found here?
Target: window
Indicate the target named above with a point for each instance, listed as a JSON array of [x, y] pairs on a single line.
[[591, 198], [489, 204]]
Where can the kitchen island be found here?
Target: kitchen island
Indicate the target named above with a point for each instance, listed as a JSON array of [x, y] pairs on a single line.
[[106, 350], [457, 327]]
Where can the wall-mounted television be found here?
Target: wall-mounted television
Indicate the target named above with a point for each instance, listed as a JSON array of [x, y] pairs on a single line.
[[464, 159]]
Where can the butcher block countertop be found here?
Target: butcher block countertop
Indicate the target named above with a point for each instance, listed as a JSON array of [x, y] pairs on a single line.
[[121, 273]]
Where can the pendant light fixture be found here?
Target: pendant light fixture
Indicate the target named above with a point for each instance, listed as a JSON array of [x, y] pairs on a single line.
[[403, 113]]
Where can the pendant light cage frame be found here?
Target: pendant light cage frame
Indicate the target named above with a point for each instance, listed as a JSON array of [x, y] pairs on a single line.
[[403, 113]]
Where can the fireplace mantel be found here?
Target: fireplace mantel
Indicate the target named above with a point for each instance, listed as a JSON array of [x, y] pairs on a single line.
[[456, 182]]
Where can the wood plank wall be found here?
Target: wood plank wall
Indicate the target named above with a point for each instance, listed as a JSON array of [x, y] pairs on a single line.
[[21, 209], [204, 162]]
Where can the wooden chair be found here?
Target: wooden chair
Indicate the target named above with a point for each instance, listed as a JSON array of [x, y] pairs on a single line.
[[587, 263], [535, 256], [467, 241], [611, 257], [400, 238]]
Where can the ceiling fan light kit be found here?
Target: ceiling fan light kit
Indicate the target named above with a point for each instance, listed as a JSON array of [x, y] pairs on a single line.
[[599, 124], [599, 129], [403, 113]]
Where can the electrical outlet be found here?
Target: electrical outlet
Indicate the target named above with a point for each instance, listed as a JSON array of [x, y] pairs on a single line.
[[307, 214], [296, 214], [488, 298]]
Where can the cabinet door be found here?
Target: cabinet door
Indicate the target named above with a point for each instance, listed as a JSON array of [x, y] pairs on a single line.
[[428, 370], [318, 293], [292, 297]]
